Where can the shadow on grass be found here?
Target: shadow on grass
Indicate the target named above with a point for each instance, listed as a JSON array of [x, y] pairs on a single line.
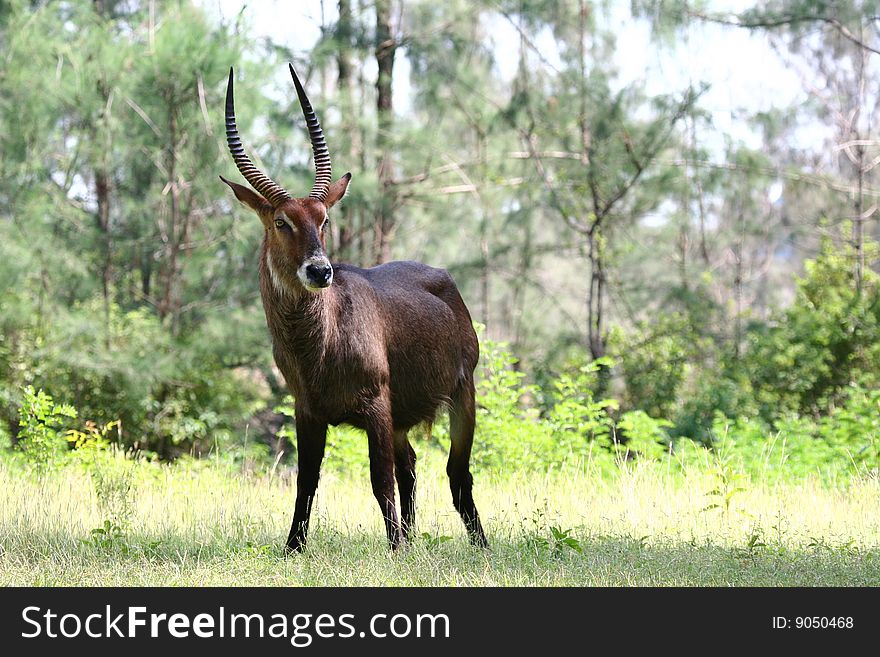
[[342, 558]]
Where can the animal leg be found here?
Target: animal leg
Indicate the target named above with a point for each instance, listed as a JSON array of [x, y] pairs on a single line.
[[311, 438], [462, 417], [380, 438], [405, 472]]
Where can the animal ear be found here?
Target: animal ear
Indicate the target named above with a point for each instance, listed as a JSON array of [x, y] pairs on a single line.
[[249, 198], [337, 190]]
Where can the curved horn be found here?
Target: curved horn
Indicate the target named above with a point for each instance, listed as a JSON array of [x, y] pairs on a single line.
[[273, 192], [319, 145]]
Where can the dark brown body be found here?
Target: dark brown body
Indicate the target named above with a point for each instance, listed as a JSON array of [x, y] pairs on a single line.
[[381, 349]]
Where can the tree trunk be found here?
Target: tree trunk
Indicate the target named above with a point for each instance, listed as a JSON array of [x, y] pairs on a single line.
[[859, 218], [596, 312], [175, 235], [701, 205], [596, 294], [738, 284], [345, 232], [385, 49], [144, 265], [859, 164], [102, 195], [596, 300], [485, 213]]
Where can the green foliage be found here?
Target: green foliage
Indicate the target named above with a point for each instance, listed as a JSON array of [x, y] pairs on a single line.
[[114, 491], [654, 358], [43, 444], [434, 541], [128, 290], [170, 395], [575, 416], [40, 419], [513, 434], [833, 448], [803, 361], [853, 427], [542, 536], [727, 485], [712, 393], [93, 438], [115, 295], [653, 371], [109, 537], [557, 541], [346, 448], [641, 435], [509, 433], [798, 368]]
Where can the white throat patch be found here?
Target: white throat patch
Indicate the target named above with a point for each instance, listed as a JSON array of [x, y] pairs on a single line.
[[277, 283]]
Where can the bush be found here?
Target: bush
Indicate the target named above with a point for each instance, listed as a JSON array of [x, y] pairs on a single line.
[[513, 434], [804, 360], [653, 360], [40, 420], [171, 395], [834, 447], [576, 418], [642, 435], [509, 433]]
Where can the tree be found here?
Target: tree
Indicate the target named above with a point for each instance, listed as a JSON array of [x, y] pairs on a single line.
[[598, 165], [836, 46], [386, 46], [109, 176]]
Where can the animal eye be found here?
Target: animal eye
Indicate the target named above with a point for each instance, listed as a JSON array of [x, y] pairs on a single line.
[[279, 223]]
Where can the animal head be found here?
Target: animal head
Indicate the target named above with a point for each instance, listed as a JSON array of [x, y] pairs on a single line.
[[296, 250]]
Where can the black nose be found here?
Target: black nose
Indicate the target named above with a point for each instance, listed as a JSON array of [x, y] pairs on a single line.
[[320, 275]]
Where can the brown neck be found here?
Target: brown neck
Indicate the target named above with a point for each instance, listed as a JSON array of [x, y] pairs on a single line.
[[303, 324]]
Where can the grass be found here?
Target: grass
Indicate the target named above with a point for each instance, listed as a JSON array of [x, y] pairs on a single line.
[[202, 523]]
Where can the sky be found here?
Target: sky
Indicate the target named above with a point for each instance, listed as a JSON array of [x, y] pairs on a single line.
[[746, 75], [744, 71]]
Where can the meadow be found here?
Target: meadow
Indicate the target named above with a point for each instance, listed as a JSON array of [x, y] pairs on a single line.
[[119, 521], [677, 294]]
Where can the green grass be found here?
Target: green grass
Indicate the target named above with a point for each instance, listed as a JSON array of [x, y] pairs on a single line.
[[200, 523]]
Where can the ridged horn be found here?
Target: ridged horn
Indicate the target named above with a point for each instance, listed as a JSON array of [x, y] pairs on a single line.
[[272, 191], [319, 144]]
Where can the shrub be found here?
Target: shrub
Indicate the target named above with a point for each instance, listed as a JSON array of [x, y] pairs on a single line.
[[40, 420], [834, 447], [509, 433], [803, 361], [576, 418], [172, 395]]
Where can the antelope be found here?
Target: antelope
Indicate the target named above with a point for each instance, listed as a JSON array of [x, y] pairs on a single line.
[[380, 349]]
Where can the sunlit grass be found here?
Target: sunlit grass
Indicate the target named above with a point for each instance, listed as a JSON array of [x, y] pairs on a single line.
[[199, 523]]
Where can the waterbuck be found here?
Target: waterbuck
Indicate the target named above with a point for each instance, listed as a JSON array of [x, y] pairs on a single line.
[[381, 349]]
